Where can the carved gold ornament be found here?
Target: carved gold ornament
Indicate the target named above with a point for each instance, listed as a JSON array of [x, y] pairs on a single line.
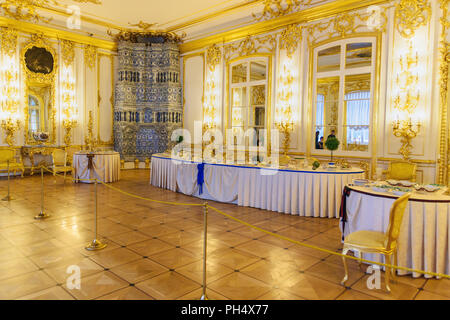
[[143, 25], [67, 52], [348, 23], [444, 56], [213, 57], [9, 41], [24, 9], [90, 56], [251, 45], [410, 15], [290, 39], [277, 8]]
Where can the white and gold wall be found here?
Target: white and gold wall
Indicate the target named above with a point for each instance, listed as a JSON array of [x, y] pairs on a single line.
[[409, 77], [83, 82]]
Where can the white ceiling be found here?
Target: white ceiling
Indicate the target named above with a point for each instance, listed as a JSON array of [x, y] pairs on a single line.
[[165, 14]]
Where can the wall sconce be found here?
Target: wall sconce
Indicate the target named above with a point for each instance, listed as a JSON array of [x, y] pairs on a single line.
[[11, 124], [406, 130]]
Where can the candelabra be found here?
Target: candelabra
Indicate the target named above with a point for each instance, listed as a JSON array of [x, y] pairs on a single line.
[[89, 140], [69, 125], [10, 126], [407, 131], [286, 126]]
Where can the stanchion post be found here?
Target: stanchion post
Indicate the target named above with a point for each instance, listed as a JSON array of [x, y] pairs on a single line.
[[8, 196], [96, 244], [42, 214], [205, 243]]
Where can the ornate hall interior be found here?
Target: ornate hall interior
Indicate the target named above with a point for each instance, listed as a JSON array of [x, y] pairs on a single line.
[[224, 150]]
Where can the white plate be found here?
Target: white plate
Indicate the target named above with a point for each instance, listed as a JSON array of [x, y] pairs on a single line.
[[406, 183], [360, 182], [381, 190], [392, 182]]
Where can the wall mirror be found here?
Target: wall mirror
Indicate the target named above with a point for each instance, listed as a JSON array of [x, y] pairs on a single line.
[[343, 94], [39, 65]]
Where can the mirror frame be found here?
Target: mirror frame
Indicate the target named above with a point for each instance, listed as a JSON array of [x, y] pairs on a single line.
[[39, 79]]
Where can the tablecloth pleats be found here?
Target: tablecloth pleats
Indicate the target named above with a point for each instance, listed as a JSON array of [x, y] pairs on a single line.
[[106, 167], [312, 194]]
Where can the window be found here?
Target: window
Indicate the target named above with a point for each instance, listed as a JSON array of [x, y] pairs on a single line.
[[248, 92], [343, 93], [34, 112]]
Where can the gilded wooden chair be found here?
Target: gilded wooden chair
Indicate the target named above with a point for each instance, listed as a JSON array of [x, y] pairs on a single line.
[[15, 165], [59, 164], [378, 242], [70, 152], [401, 170]]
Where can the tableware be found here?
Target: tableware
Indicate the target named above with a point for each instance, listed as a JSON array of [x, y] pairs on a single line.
[[378, 189], [360, 182], [406, 183]]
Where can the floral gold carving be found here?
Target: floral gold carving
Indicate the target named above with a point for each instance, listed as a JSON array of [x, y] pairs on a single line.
[[90, 56], [410, 15], [9, 41], [213, 57], [444, 55], [67, 52], [251, 45], [277, 8], [290, 38]]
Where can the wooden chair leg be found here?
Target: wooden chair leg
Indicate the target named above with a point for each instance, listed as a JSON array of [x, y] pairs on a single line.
[[387, 274], [394, 271], [344, 260]]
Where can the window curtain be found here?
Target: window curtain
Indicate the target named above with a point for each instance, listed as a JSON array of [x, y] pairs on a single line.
[[358, 117], [320, 114]]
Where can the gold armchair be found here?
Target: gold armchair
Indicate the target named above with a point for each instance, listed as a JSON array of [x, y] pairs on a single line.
[[378, 242], [401, 170], [15, 164]]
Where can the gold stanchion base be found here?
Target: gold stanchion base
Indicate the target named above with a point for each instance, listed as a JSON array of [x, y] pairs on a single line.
[[204, 298], [42, 215], [8, 198], [96, 245]]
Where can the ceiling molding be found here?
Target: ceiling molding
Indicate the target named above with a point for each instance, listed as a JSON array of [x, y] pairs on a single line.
[[32, 28], [311, 14]]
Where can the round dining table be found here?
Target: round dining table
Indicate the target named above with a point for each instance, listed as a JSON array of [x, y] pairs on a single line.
[[424, 239], [103, 166]]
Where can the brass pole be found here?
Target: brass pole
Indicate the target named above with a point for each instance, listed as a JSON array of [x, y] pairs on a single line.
[[8, 197], [96, 244], [205, 245], [42, 214]]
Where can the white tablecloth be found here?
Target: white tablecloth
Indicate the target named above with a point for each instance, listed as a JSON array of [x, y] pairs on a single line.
[[106, 167], [304, 193], [424, 235]]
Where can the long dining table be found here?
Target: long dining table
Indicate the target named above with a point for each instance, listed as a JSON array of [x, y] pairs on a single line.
[[302, 192]]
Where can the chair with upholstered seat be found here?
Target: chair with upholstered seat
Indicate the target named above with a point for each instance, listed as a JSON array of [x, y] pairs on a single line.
[[378, 242], [60, 162], [401, 170], [10, 155]]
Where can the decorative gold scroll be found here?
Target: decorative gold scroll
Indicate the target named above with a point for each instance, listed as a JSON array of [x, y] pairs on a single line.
[[410, 15]]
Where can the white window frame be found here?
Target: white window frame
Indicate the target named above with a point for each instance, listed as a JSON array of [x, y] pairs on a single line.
[[342, 73]]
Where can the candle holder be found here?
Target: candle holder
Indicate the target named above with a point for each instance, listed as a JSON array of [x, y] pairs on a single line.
[[406, 131], [286, 128], [69, 125]]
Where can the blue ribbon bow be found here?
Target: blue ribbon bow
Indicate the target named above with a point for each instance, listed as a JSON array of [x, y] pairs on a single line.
[[201, 176]]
